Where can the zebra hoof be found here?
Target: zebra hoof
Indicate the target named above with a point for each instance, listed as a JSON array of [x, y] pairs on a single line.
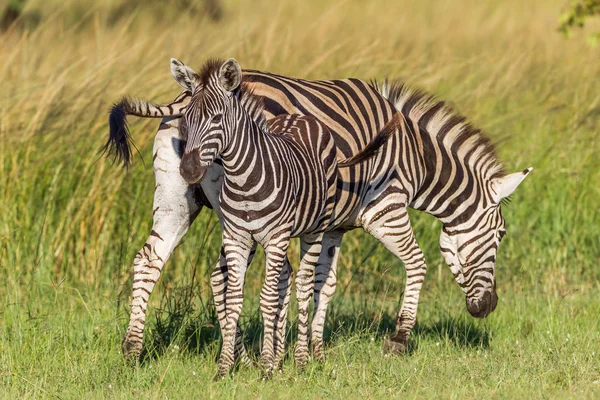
[[219, 376], [131, 350], [280, 366], [301, 361], [319, 356], [266, 375], [395, 347], [267, 365]]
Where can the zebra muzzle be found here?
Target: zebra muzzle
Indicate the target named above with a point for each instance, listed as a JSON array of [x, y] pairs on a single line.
[[483, 306], [190, 168]]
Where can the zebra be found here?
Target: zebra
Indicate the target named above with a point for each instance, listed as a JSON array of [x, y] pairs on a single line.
[[280, 181], [439, 164]]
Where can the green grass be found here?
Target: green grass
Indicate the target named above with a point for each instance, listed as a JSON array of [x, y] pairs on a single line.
[[70, 224], [533, 346]]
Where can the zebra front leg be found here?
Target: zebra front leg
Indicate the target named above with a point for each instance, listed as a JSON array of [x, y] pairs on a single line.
[[218, 283], [391, 226], [270, 303], [310, 249], [176, 205], [325, 284], [236, 251]]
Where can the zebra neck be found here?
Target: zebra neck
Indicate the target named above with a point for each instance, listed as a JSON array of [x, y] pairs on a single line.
[[454, 183], [246, 144]]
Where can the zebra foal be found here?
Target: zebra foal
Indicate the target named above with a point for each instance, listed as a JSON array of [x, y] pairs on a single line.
[[280, 181]]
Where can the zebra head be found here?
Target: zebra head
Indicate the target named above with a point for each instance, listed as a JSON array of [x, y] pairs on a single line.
[[469, 246], [210, 112]]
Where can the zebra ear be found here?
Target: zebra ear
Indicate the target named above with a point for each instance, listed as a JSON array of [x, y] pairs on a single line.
[[505, 186], [184, 75], [230, 75]]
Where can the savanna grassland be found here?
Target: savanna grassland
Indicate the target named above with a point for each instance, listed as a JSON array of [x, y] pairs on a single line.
[[70, 223]]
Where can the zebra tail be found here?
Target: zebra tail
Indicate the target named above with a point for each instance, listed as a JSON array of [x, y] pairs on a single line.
[[119, 144], [375, 145]]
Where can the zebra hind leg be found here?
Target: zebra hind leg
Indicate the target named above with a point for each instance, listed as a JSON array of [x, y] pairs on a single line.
[[310, 248], [175, 208], [285, 289], [391, 226], [324, 288], [147, 267]]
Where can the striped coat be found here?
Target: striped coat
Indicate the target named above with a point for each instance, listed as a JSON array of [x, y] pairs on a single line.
[[280, 181], [437, 163]]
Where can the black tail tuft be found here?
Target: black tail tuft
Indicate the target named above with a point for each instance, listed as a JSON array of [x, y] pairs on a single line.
[[373, 147], [118, 146]]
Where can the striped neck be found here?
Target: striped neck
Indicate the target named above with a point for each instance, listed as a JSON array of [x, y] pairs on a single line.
[[245, 141], [460, 161], [457, 176]]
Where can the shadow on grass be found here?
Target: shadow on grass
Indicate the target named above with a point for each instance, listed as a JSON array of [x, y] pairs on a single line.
[[185, 321], [459, 331], [195, 329], [178, 322]]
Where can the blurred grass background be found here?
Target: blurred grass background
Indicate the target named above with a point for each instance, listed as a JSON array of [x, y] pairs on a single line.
[[71, 223]]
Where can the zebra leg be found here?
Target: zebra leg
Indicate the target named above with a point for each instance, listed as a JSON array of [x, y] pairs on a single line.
[[237, 249], [176, 205], [218, 283], [275, 253], [325, 284], [310, 249], [391, 226], [285, 289]]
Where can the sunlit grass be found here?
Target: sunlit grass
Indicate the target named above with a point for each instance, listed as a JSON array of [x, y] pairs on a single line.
[[71, 223]]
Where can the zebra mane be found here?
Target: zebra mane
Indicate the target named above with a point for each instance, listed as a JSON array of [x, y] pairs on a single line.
[[208, 69], [254, 106], [438, 119], [252, 103]]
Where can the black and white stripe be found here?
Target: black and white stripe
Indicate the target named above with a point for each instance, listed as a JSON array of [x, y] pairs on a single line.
[[280, 181], [438, 164]]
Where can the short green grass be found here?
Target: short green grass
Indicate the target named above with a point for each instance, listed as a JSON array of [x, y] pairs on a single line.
[[534, 346], [71, 224]]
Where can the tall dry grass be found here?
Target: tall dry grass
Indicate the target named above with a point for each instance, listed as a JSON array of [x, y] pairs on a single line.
[[68, 216]]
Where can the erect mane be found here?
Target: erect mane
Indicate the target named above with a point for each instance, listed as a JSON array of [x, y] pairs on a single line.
[[438, 119], [252, 103], [210, 67], [254, 106]]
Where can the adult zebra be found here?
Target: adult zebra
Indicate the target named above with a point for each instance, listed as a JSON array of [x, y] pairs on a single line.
[[439, 164]]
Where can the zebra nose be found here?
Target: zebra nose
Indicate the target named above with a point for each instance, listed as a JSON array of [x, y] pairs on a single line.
[[482, 307], [190, 168]]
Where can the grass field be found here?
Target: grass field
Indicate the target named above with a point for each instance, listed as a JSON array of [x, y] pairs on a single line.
[[71, 224]]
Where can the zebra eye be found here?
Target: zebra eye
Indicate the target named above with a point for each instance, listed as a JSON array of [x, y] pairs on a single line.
[[216, 119]]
